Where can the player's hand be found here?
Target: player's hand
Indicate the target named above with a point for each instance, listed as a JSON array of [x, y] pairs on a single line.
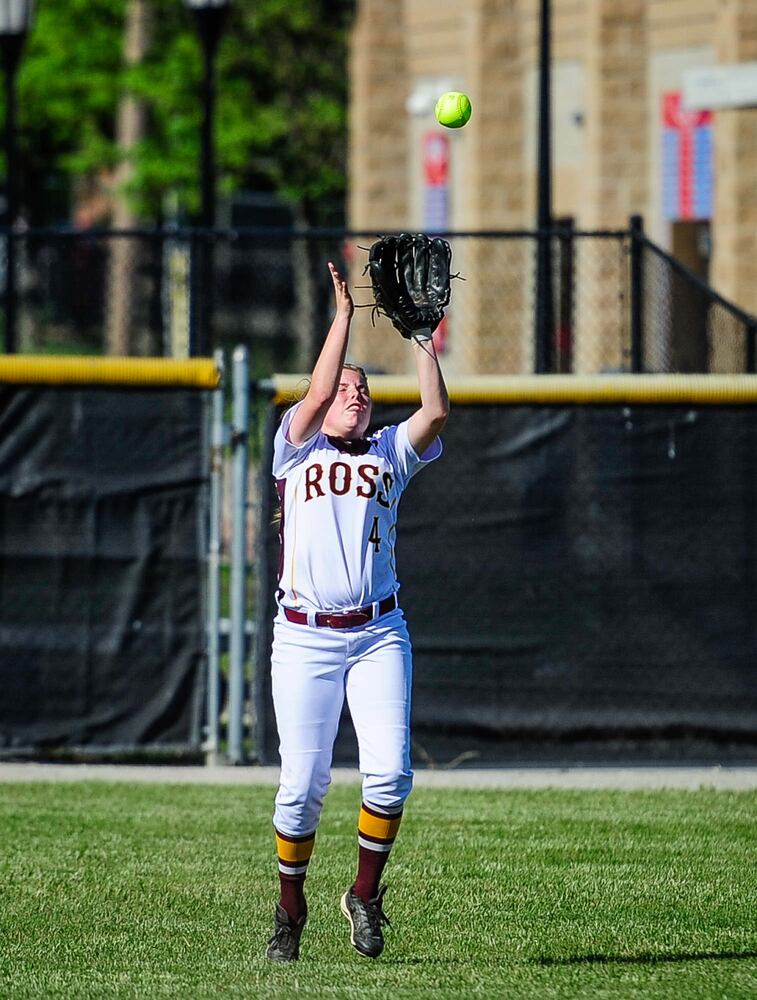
[[344, 303]]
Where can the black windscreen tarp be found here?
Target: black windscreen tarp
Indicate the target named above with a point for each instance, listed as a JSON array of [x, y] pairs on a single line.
[[579, 582], [102, 508]]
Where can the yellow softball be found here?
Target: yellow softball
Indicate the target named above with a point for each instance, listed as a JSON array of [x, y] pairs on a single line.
[[453, 109]]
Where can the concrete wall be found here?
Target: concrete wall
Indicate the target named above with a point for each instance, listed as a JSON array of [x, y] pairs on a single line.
[[612, 61]]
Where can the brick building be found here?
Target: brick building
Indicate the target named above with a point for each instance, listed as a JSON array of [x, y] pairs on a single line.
[[623, 144]]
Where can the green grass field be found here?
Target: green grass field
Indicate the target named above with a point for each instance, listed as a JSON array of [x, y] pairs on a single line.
[[111, 890]]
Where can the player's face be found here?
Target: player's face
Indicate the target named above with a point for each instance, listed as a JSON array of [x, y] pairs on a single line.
[[349, 414]]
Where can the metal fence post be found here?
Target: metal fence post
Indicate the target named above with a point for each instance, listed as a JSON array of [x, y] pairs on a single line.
[[751, 349], [637, 294], [238, 610], [212, 755], [195, 295], [263, 592]]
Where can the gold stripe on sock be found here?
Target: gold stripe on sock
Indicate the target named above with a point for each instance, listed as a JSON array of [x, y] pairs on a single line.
[[294, 851], [383, 827]]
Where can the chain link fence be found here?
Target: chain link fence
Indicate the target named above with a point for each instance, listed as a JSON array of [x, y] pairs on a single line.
[[618, 303], [687, 326]]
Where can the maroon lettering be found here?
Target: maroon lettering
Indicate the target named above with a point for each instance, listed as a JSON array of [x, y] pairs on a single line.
[[313, 486], [334, 476], [341, 480], [387, 481], [369, 474]]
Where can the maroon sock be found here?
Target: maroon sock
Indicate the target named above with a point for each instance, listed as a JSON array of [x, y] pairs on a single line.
[[293, 857], [376, 831], [293, 895], [369, 868]]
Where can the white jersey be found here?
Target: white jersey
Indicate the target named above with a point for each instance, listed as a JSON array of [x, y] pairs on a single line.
[[339, 515]]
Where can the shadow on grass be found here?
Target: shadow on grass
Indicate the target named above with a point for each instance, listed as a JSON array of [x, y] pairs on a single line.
[[645, 958]]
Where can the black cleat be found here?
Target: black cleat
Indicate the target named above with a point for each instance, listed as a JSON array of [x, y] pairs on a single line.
[[284, 946], [366, 921]]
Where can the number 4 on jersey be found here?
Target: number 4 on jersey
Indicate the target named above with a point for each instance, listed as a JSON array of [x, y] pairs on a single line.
[[374, 536]]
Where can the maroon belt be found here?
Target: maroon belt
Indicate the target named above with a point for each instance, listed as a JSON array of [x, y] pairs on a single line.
[[348, 619]]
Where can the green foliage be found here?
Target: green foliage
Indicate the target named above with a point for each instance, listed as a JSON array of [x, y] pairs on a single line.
[[280, 111], [112, 890], [68, 86]]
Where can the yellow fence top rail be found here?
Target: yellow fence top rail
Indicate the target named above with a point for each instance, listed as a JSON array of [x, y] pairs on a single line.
[[546, 389], [30, 369]]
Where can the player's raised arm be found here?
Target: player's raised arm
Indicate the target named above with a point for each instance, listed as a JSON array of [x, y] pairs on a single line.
[[324, 382], [426, 424], [410, 275]]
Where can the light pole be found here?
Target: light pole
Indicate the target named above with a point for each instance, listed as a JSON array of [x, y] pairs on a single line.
[[209, 18], [15, 18], [544, 320]]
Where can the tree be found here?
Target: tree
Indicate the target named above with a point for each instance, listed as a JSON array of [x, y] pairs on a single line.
[[69, 84], [281, 111]]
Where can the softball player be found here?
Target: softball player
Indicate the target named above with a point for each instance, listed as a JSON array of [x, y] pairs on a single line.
[[339, 631]]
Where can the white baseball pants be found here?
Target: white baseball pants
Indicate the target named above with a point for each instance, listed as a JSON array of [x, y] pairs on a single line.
[[312, 670]]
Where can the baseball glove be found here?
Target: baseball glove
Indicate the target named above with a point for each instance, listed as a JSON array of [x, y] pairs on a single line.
[[411, 281]]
